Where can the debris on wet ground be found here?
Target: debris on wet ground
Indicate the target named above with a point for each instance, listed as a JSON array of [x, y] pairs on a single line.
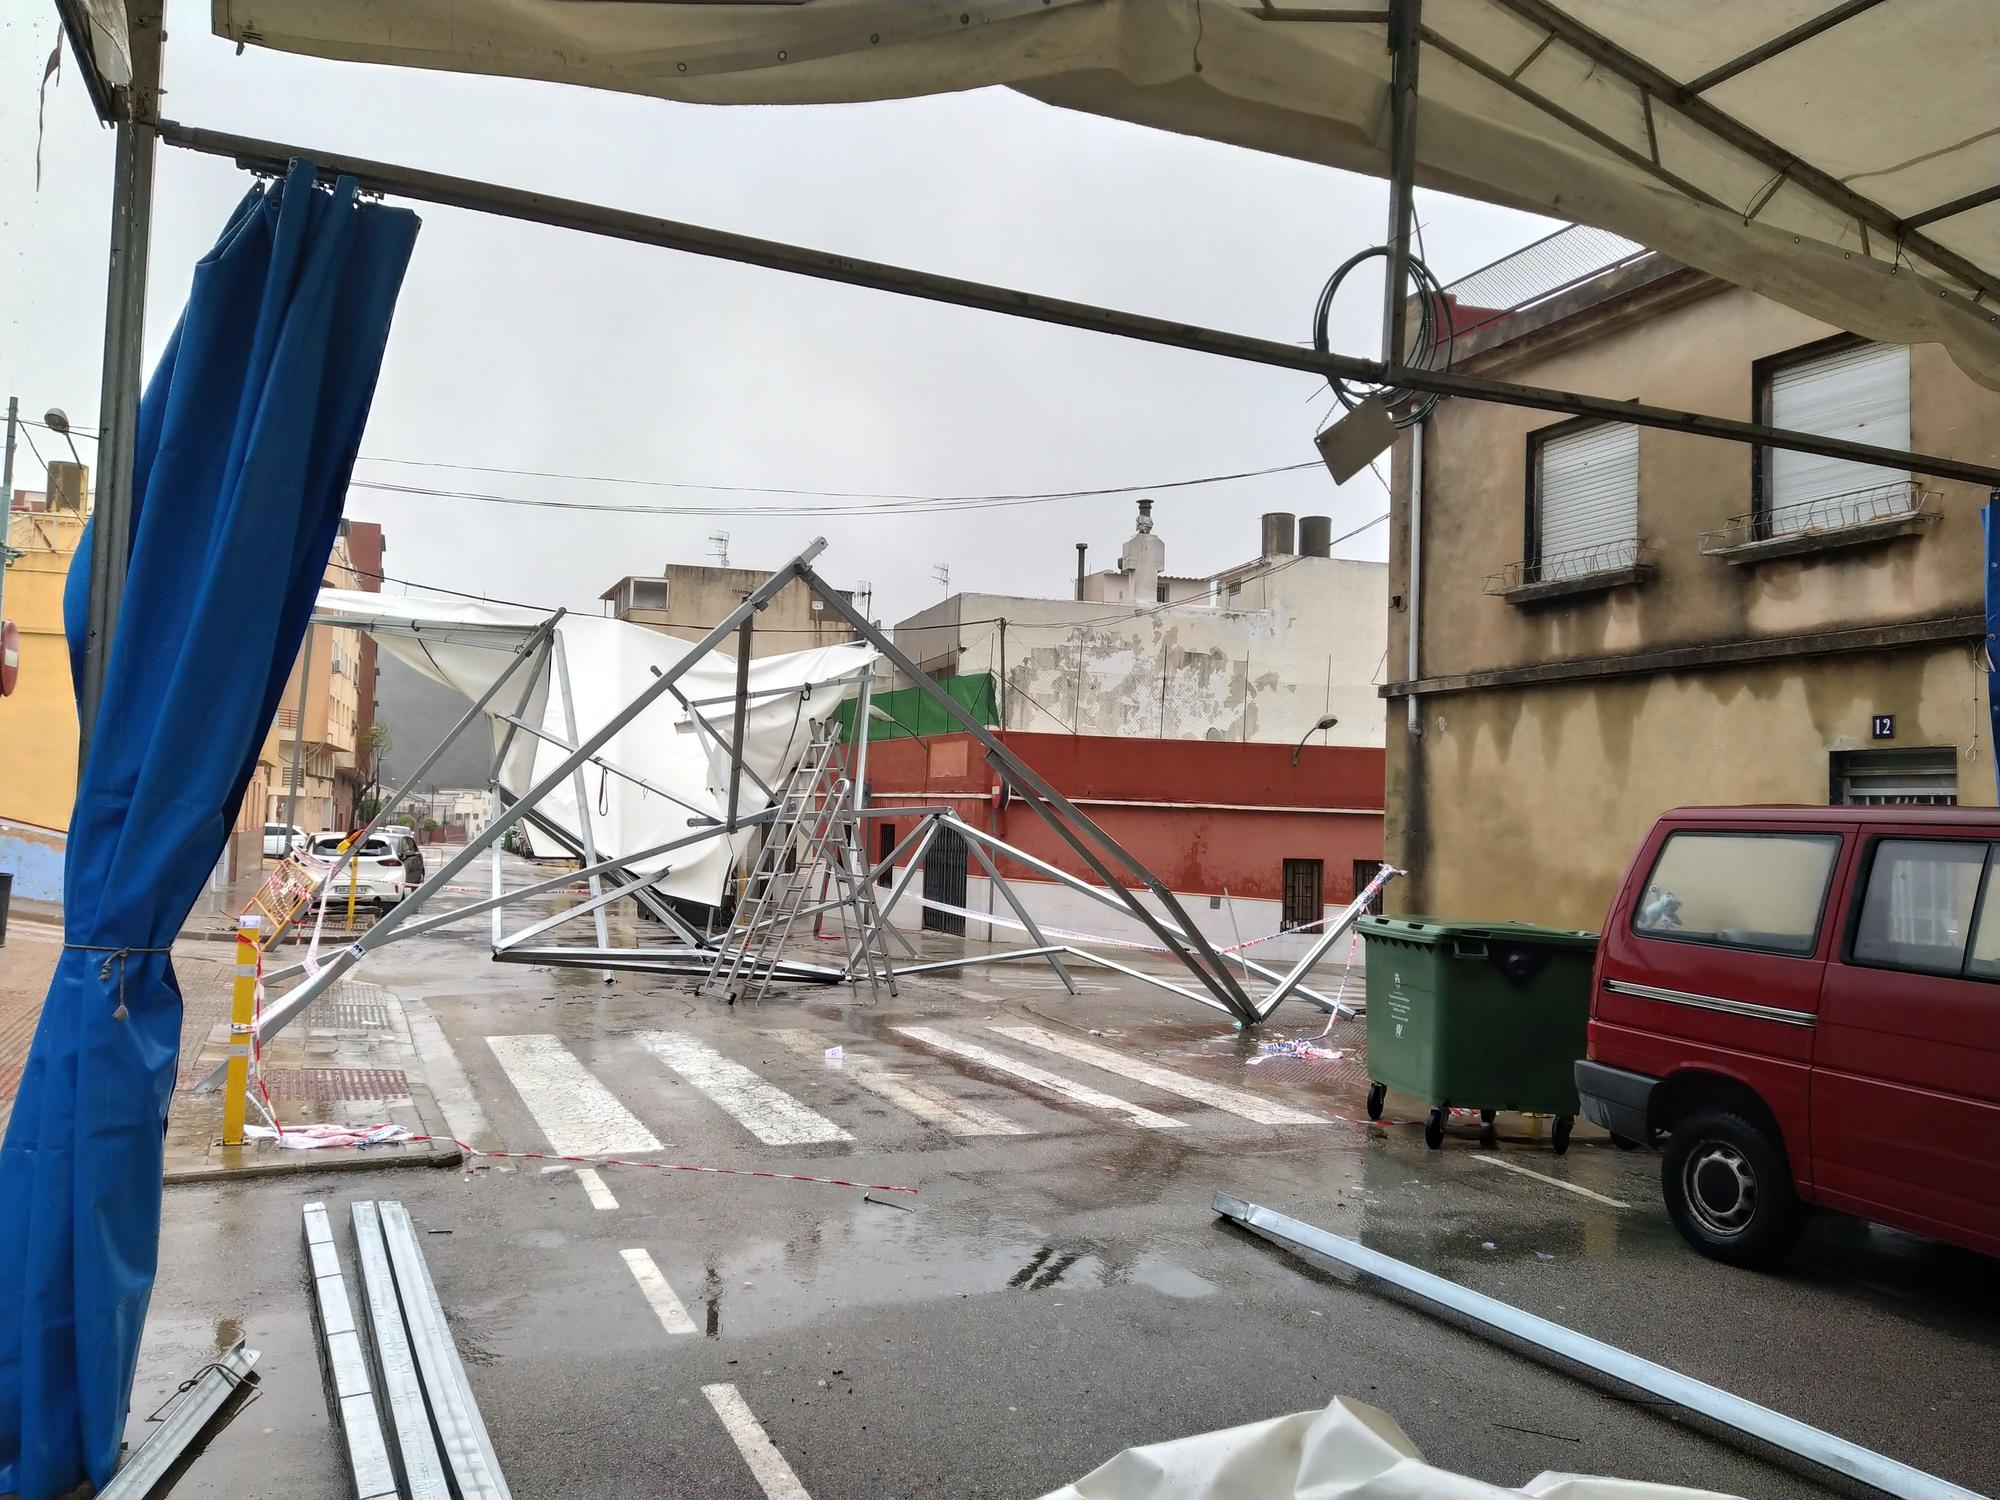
[[1298, 1048], [319, 1137]]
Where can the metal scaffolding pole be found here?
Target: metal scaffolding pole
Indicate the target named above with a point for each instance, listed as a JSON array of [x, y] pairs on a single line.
[[124, 337], [581, 792]]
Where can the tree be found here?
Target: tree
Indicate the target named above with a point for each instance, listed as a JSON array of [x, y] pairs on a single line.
[[377, 741]]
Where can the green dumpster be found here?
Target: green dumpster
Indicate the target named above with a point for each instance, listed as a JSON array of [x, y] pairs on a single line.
[[1478, 1015]]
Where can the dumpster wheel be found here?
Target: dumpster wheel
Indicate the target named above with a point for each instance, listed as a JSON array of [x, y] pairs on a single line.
[[1377, 1092], [1559, 1133], [1434, 1127]]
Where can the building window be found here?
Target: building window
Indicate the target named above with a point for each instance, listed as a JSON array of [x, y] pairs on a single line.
[[645, 593], [1160, 592], [1366, 870], [1840, 388], [1583, 502], [885, 845], [1894, 778], [1303, 905], [1917, 910]]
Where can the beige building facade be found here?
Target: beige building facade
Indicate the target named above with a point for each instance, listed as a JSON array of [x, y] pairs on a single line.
[[1263, 652], [689, 599], [320, 736], [1612, 623]]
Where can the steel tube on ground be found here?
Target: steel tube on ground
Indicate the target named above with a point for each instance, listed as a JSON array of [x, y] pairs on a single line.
[[1492, 1315]]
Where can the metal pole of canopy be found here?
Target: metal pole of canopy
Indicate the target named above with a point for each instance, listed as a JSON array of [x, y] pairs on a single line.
[[742, 718], [696, 239], [124, 335], [1405, 30]]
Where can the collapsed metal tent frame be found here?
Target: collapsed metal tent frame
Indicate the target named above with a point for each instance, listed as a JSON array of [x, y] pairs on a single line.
[[1219, 980]]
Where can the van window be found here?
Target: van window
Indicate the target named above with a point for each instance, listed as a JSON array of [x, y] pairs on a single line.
[[1739, 890], [1916, 912]]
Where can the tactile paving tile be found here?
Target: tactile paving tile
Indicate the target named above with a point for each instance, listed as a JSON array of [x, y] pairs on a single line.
[[337, 1083]]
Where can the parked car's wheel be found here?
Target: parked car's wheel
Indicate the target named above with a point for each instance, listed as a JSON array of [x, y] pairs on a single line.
[[1729, 1188]]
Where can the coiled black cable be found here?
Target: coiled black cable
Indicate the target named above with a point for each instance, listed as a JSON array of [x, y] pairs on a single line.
[[1431, 351]]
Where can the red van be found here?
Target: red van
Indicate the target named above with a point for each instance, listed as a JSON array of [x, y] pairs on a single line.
[[1805, 1003]]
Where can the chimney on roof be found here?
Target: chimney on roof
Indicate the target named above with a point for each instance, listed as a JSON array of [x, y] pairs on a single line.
[[1279, 528], [1144, 559]]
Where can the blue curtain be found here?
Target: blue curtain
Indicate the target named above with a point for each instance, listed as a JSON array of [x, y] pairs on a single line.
[[246, 438]]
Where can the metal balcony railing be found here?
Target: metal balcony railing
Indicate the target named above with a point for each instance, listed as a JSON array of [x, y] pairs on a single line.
[[1578, 565], [1832, 516]]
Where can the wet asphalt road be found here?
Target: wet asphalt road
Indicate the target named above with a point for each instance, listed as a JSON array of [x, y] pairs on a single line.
[[1051, 1295]]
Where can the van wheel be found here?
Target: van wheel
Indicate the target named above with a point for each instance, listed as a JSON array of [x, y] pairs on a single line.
[[1729, 1188]]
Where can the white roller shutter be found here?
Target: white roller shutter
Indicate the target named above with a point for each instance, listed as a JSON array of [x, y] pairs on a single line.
[[1861, 394], [1587, 500]]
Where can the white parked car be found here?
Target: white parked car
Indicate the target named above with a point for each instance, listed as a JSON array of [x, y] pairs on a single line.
[[378, 875], [281, 839]]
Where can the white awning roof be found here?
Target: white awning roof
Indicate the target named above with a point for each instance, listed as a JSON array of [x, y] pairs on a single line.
[[1838, 157]]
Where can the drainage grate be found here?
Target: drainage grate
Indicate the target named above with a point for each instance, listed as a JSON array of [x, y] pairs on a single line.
[[352, 1015], [337, 1083]]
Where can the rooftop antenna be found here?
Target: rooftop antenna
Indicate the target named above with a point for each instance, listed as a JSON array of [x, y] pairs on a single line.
[[719, 540], [942, 573]]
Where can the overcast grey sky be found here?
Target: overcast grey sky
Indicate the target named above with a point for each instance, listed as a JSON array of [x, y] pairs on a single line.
[[521, 347]]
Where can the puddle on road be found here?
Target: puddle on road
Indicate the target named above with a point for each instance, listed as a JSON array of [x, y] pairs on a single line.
[[887, 1257]]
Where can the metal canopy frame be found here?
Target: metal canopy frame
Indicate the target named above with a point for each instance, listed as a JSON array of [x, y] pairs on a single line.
[[537, 657]]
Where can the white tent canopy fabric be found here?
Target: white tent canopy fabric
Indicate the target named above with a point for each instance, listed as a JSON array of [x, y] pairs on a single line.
[[1806, 149], [466, 644]]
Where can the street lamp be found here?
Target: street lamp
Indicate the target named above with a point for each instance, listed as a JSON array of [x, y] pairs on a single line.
[[57, 420], [1325, 723]]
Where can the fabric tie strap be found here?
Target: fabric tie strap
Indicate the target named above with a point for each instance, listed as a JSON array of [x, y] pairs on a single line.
[[114, 956]]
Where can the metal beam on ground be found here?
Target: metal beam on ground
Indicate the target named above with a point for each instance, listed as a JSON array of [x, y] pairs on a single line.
[[1489, 1316], [145, 1471], [693, 239], [344, 1363]]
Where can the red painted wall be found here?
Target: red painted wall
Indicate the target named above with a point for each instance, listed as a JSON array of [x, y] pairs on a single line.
[[1233, 813]]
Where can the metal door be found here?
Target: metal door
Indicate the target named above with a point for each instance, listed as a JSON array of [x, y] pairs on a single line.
[[944, 881]]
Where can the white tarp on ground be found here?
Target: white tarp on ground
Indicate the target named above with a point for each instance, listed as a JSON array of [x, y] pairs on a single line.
[[1347, 1452], [1521, 104], [466, 644]]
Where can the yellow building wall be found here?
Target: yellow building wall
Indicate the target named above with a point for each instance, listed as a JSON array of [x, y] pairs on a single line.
[[38, 737], [1527, 803]]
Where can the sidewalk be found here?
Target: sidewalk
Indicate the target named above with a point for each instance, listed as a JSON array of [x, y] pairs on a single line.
[[348, 1061]]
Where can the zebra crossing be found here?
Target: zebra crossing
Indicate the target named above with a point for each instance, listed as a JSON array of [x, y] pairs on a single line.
[[966, 1081]]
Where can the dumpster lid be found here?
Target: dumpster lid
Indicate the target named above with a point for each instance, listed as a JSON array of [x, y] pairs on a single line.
[[1431, 930]]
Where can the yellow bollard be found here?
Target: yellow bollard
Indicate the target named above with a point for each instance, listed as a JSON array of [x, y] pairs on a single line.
[[242, 1012]]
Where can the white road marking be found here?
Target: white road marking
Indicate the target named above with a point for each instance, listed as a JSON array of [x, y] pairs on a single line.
[[1235, 1101], [764, 1109], [578, 1115], [595, 1190], [931, 1105], [1570, 1187], [447, 1080], [767, 1465], [1000, 1062], [666, 1306]]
